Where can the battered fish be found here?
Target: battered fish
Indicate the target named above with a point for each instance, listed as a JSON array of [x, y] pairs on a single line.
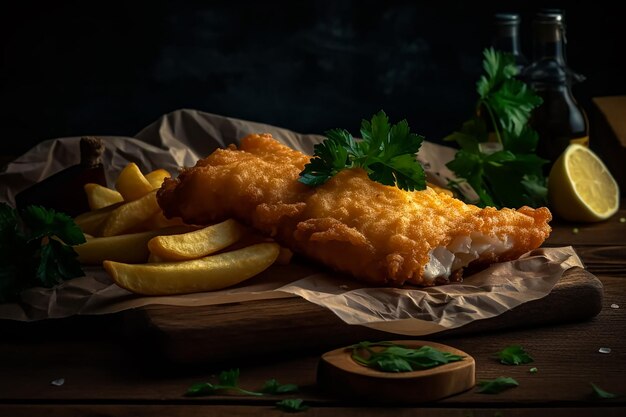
[[377, 233]]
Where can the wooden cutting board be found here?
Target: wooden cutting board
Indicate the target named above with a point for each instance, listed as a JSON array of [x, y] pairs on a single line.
[[219, 334]]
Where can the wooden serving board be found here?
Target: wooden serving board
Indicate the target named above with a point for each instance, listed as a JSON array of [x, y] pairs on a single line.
[[216, 335], [341, 376]]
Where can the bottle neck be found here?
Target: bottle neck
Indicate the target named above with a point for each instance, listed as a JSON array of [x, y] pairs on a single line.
[[549, 42], [506, 39]]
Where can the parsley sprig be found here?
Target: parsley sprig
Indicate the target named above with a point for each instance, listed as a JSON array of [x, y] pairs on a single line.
[[396, 358], [514, 355], [228, 381], [509, 174], [36, 249], [497, 385], [386, 152]]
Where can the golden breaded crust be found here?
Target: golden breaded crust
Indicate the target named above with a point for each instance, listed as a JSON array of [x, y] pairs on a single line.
[[377, 233]]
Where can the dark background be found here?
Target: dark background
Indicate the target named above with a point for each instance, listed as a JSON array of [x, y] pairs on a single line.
[[102, 68]]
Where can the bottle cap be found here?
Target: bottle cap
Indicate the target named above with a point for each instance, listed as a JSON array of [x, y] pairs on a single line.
[[507, 18]]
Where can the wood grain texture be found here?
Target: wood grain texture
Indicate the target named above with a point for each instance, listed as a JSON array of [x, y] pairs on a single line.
[[150, 410], [609, 232], [214, 334]]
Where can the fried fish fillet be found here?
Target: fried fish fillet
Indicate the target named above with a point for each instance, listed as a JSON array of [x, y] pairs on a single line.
[[377, 233]]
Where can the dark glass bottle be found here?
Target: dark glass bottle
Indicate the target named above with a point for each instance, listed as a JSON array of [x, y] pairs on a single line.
[[560, 120], [506, 37]]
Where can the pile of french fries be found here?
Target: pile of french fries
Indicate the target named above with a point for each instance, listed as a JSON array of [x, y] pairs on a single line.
[[148, 254]]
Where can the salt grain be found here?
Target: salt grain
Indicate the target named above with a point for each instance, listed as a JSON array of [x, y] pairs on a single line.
[[604, 350], [58, 382], [614, 306]]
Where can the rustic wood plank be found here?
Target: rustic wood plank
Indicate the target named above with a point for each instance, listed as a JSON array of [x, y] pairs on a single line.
[[608, 232], [150, 410], [214, 334], [99, 371]]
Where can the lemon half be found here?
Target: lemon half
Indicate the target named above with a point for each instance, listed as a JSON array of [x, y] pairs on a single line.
[[581, 188]]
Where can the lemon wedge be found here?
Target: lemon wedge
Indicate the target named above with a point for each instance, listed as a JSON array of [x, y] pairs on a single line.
[[581, 188]]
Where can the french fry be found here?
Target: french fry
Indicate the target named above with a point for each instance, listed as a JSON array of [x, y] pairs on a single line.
[[156, 177], [130, 215], [198, 243], [205, 274], [132, 184], [284, 257], [99, 196], [130, 248], [159, 221], [91, 222]]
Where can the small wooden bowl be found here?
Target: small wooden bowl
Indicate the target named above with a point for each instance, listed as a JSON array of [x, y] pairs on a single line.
[[338, 373]]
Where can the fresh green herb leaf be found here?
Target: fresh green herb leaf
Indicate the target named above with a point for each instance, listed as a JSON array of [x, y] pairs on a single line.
[[272, 386], [292, 405], [533, 370], [229, 381], [386, 152], [514, 355], [35, 249], [496, 386], [390, 357], [513, 176], [602, 394]]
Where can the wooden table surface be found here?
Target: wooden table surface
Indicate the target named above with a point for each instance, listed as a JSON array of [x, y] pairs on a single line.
[[105, 376]]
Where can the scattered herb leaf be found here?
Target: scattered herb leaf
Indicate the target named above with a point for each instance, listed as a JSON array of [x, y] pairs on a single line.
[[272, 386], [386, 153], [292, 405], [35, 249], [229, 381], [390, 357], [510, 175], [496, 386], [602, 394], [533, 370], [514, 355]]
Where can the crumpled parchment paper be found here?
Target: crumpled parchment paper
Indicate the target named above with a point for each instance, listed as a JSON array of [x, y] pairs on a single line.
[[179, 139]]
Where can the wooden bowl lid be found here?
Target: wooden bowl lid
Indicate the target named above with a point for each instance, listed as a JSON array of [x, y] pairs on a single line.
[[339, 374]]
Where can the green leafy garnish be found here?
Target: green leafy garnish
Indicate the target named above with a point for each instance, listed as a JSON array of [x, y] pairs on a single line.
[[291, 405], [533, 370], [390, 357], [507, 172], [229, 381], [386, 153], [602, 394], [272, 386], [514, 355], [36, 249], [496, 386]]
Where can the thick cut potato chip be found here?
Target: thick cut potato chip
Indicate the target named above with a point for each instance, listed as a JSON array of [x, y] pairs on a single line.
[[198, 243], [205, 274], [130, 215], [130, 248], [91, 222], [132, 184], [99, 196], [159, 221], [156, 177]]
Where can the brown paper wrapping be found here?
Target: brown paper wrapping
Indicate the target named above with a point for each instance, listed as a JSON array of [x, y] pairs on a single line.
[[179, 139]]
